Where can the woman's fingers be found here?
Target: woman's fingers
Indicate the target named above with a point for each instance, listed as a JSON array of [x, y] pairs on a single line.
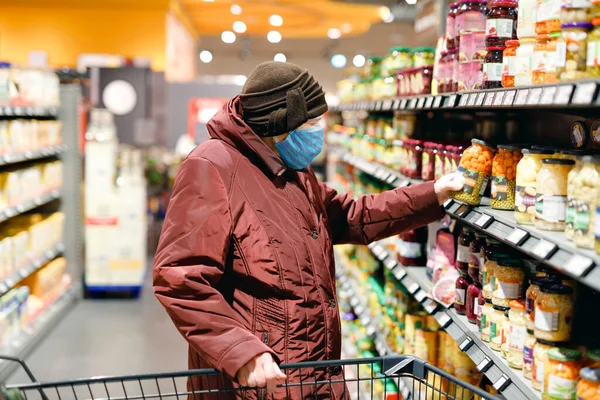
[[280, 375]]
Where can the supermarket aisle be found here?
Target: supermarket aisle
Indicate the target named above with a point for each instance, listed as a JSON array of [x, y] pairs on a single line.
[[108, 337]]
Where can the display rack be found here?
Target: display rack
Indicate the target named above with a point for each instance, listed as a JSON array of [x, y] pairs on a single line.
[[28, 112], [10, 159]]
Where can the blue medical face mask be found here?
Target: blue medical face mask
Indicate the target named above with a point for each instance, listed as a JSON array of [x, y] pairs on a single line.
[[302, 146]]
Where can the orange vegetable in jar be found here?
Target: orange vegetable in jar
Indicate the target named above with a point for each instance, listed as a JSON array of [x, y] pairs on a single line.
[[561, 374], [588, 387], [504, 174], [476, 167]]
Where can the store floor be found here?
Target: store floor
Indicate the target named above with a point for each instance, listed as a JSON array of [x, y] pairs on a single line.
[[109, 337]]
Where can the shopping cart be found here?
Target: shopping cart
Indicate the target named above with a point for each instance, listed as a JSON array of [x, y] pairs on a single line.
[[386, 378]]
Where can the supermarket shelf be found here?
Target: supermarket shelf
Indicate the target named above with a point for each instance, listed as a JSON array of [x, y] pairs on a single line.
[[376, 170], [576, 95], [506, 380], [39, 329], [552, 248], [9, 283], [28, 205], [11, 159], [28, 112]]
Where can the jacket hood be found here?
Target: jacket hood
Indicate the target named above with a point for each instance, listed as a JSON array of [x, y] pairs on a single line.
[[227, 125]]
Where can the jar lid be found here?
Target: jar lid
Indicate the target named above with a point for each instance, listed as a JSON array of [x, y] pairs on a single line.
[[510, 147], [551, 343], [517, 304], [481, 142], [496, 48], [503, 3], [591, 159], [558, 161], [472, 1], [596, 21], [530, 331], [544, 281], [563, 354], [500, 308], [537, 151], [512, 43], [590, 374], [424, 49], [526, 40], [580, 25], [488, 300], [453, 5], [542, 36], [572, 152], [510, 262], [579, 135], [556, 288], [594, 354], [400, 49], [376, 58]]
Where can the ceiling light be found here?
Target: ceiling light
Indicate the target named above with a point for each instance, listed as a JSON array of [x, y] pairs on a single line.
[[206, 56], [359, 60], [334, 33], [346, 28], [280, 57], [385, 14], [338, 60], [239, 27], [389, 18], [228, 37], [235, 9], [274, 37], [276, 20], [411, 2]]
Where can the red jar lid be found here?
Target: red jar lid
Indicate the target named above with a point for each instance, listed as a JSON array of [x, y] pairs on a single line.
[[503, 3], [493, 48], [512, 43], [596, 21]]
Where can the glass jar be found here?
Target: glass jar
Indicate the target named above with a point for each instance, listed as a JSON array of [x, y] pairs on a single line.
[[451, 34], [554, 313], [497, 327], [526, 184], [575, 38], [532, 294], [501, 23], [505, 331], [593, 50], [524, 62], [517, 334], [576, 11], [509, 63], [476, 168], [415, 158], [528, 354], [452, 81], [423, 56], [571, 198], [470, 16], [476, 259], [509, 277], [448, 154], [562, 374], [588, 387], [399, 58], [373, 66], [472, 306], [540, 358], [585, 190], [492, 68], [595, 8], [547, 16], [540, 59], [481, 302], [504, 174], [486, 319], [463, 252], [551, 194], [594, 358], [526, 18], [439, 161], [428, 164], [462, 284]]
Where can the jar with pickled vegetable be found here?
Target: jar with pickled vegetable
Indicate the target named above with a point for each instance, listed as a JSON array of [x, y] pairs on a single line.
[[516, 334], [585, 190], [423, 56], [492, 68], [451, 34], [486, 319], [528, 354], [554, 313], [575, 36], [526, 184], [497, 327], [501, 22], [462, 284], [593, 50], [540, 59], [524, 62], [562, 374], [472, 306], [509, 63], [505, 331], [509, 277], [476, 168], [540, 358], [399, 58], [481, 302], [504, 173], [547, 16], [428, 164], [463, 252], [532, 294], [440, 155], [588, 387], [576, 11], [526, 18], [551, 194], [571, 199]]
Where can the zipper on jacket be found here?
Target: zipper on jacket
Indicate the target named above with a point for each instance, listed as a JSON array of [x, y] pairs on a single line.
[[266, 338]]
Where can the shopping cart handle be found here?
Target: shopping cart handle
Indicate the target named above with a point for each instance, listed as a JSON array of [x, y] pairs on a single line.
[[22, 363], [396, 365]]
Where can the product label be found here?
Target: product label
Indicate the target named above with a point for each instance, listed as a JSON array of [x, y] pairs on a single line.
[[582, 218], [476, 306], [550, 61], [426, 168], [450, 27], [526, 18], [439, 167], [593, 53], [529, 306], [546, 320], [463, 254], [499, 188], [528, 355], [576, 3], [551, 208], [483, 324], [460, 296], [539, 60], [516, 337], [509, 66], [470, 21], [570, 215], [561, 388], [561, 54], [502, 28], [471, 178], [507, 290], [447, 165], [538, 372], [523, 69], [494, 330], [492, 72], [548, 10]]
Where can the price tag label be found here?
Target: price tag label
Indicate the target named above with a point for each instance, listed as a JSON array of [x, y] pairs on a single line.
[[413, 288], [391, 263], [8, 111], [521, 98], [563, 94], [584, 93], [517, 237], [499, 99], [484, 221], [354, 301], [543, 249], [535, 95], [489, 99], [465, 344], [396, 104], [428, 102], [379, 106], [359, 309], [391, 179], [579, 265], [421, 102], [548, 94], [451, 102], [403, 104], [480, 98], [400, 273], [472, 100], [447, 203], [412, 104], [462, 210], [464, 99], [420, 296], [430, 305], [443, 319], [509, 98], [484, 365], [437, 102]]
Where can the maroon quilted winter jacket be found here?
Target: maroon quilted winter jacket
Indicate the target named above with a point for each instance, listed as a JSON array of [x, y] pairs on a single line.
[[245, 260]]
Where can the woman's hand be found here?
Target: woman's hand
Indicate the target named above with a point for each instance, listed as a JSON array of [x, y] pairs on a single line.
[[447, 184], [261, 372]]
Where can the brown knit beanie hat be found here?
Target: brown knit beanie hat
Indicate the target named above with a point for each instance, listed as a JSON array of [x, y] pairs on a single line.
[[278, 97]]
